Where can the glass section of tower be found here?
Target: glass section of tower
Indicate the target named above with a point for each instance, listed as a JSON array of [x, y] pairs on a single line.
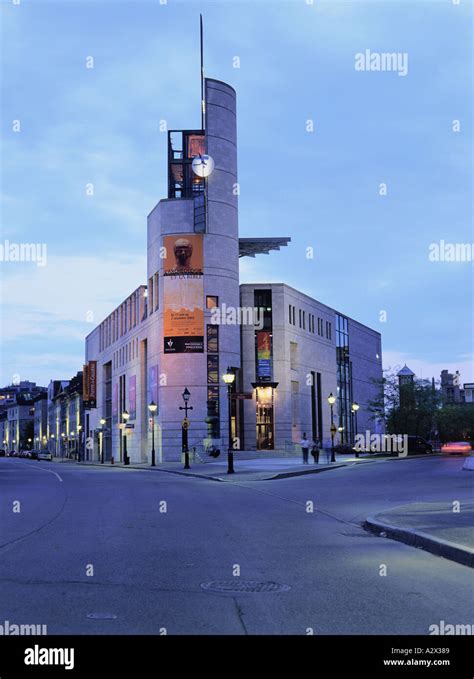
[[344, 380], [183, 146]]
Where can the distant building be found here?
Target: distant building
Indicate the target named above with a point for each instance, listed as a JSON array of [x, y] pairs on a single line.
[[405, 376], [451, 387], [65, 412], [3, 428], [17, 415], [406, 382], [25, 388], [40, 421], [469, 392]]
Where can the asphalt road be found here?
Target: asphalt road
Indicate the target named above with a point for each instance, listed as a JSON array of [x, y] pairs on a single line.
[[90, 552]]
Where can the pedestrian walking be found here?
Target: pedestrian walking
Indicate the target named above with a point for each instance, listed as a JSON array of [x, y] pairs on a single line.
[[315, 451], [305, 443]]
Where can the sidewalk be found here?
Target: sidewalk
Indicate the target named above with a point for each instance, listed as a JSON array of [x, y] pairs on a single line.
[[433, 526], [260, 469]]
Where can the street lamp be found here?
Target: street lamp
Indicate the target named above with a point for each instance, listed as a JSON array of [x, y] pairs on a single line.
[[101, 440], [332, 401], [354, 408], [79, 430], [184, 427], [125, 418], [229, 378], [152, 408]]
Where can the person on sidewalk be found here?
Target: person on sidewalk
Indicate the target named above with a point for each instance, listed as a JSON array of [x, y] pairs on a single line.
[[315, 451], [305, 443]]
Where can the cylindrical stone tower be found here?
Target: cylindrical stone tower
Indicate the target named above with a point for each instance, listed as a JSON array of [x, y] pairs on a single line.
[[196, 371]]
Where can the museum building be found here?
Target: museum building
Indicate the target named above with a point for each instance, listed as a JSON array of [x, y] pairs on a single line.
[[193, 350]]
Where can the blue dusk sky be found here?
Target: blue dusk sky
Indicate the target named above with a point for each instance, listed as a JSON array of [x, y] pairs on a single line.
[[101, 125]]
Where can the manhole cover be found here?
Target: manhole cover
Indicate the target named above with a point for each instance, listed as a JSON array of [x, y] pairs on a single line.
[[244, 587], [102, 616]]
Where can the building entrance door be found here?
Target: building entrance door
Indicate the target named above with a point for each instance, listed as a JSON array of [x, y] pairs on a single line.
[[265, 439]]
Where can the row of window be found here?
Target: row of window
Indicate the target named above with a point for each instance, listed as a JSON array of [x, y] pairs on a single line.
[[152, 294], [126, 353], [126, 317], [212, 346], [323, 330]]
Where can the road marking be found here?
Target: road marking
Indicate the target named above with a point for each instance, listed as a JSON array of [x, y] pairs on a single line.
[[48, 471]]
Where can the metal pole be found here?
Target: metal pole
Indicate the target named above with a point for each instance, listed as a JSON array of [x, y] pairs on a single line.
[[202, 70], [333, 454], [184, 437], [153, 464], [230, 453]]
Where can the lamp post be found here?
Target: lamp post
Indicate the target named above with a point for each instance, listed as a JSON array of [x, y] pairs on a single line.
[[53, 445], [354, 408], [184, 427], [63, 435], [101, 439], [229, 378], [79, 439], [152, 408], [332, 401], [125, 418]]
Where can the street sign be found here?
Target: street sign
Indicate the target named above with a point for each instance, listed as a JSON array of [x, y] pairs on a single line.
[[333, 428], [242, 396], [129, 426], [185, 423]]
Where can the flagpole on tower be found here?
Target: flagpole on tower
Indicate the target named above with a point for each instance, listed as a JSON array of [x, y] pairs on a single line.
[[203, 105]]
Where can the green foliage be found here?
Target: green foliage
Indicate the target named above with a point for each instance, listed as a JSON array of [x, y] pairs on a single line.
[[417, 409]]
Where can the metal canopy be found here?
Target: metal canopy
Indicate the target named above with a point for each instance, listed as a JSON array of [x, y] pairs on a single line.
[[249, 247]]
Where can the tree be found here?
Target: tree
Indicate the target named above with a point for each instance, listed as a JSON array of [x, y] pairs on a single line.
[[411, 410], [456, 422]]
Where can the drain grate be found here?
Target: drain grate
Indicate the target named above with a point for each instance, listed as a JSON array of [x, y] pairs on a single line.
[[244, 587]]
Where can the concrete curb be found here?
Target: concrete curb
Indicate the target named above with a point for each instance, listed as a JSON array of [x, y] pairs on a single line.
[[209, 477], [449, 550], [287, 475]]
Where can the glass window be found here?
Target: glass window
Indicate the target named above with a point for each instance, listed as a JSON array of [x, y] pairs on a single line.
[[212, 369], [212, 302], [213, 339], [196, 145], [157, 296]]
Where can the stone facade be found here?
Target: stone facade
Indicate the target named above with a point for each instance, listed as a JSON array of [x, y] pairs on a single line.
[[129, 343]]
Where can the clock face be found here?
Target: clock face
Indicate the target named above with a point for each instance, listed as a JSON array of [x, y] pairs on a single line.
[[203, 165]]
